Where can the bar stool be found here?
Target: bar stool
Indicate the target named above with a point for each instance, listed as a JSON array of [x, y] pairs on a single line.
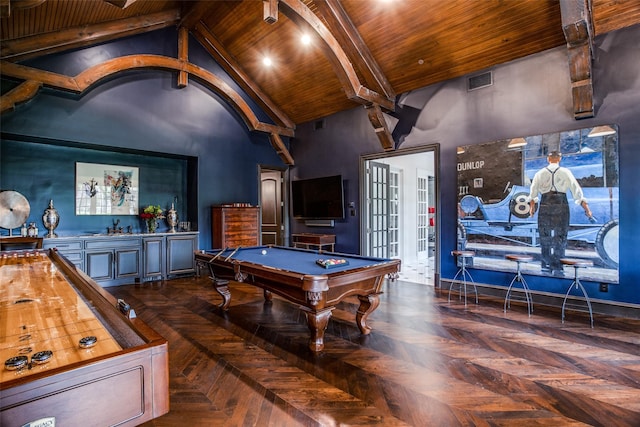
[[464, 273], [577, 264], [519, 258]]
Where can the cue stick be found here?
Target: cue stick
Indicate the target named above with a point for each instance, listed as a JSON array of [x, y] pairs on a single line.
[[232, 253], [217, 255]]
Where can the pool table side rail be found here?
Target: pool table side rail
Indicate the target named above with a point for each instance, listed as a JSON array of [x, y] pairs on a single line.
[[295, 286]]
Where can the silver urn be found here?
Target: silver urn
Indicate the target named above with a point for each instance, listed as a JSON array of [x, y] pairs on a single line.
[[172, 219], [50, 219]]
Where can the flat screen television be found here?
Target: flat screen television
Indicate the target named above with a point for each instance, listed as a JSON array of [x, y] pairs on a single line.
[[318, 198]]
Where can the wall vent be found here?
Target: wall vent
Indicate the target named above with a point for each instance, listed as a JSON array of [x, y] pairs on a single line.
[[479, 81], [318, 124]]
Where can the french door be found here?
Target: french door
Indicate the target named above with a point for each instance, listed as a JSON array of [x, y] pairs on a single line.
[[398, 196], [378, 209]]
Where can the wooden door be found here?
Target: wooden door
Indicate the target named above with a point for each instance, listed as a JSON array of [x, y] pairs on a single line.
[[272, 229]]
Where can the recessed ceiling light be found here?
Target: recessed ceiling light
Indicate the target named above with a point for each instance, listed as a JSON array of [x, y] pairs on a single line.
[[267, 61], [306, 39]]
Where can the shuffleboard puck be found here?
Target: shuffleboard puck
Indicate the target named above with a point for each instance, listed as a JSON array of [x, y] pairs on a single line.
[[15, 363], [41, 357], [88, 342]]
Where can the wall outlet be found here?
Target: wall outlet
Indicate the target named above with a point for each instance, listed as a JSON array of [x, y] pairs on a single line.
[[604, 287]]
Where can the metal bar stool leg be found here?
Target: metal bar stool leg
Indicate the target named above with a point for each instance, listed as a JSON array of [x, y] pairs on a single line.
[[464, 274], [519, 278], [577, 264]]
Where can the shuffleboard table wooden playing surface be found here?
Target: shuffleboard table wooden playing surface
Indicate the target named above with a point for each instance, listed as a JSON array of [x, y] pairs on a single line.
[[73, 355], [296, 275]]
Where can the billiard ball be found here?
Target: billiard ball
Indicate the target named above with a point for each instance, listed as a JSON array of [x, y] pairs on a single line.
[[264, 252]]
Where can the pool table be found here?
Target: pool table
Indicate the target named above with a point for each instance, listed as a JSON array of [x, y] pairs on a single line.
[[295, 275]]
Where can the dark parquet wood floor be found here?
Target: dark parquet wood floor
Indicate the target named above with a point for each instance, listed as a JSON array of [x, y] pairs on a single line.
[[427, 362]]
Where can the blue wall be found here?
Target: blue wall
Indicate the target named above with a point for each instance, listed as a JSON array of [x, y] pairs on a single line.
[[144, 110], [531, 96]]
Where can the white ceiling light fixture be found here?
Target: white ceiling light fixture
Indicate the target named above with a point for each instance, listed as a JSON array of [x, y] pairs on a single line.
[[305, 39], [601, 131], [267, 61], [517, 143]]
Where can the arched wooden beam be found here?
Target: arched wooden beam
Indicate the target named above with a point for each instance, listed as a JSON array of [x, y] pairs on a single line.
[[91, 76], [281, 149], [21, 93], [299, 13]]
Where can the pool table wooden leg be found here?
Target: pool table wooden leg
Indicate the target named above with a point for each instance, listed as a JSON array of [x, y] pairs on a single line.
[[222, 287], [368, 303], [317, 322]]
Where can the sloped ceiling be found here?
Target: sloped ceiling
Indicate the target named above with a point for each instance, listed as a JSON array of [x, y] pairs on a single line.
[[362, 52]]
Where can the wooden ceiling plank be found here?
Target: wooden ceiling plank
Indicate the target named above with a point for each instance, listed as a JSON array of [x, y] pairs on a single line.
[[300, 14], [5, 8], [34, 46], [231, 66], [577, 27], [18, 95], [341, 25]]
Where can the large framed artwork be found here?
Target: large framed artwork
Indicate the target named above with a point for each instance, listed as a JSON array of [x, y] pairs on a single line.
[[106, 189], [504, 209]]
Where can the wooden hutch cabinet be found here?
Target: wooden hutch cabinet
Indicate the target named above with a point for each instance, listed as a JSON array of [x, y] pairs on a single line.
[[234, 226]]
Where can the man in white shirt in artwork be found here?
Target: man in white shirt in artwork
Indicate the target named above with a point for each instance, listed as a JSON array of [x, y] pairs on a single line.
[[553, 182]]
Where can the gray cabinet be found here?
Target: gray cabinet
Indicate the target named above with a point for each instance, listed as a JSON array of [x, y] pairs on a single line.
[[113, 260], [72, 249], [180, 259], [153, 249], [128, 258], [169, 255]]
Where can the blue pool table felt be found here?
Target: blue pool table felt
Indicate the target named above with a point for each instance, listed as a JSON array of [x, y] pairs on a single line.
[[296, 260]]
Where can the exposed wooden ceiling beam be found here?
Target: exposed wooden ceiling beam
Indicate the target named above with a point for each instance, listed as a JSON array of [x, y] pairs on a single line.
[[281, 149], [91, 76], [349, 38], [300, 14], [376, 117], [122, 4], [21, 93], [231, 66], [6, 6], [577, 26], [183, 55], [193, 13], [270, 8], [72, 38]]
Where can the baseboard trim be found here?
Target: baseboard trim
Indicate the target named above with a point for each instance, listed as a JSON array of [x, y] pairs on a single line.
[[609, 308]]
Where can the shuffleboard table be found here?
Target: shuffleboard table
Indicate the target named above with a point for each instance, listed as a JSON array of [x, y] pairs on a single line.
[[295, 275], [73, 355]]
